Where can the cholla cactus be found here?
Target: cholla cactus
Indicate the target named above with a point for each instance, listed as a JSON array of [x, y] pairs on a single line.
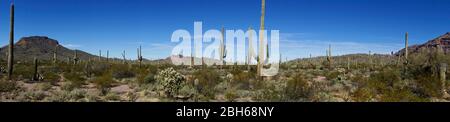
[[170, 81]]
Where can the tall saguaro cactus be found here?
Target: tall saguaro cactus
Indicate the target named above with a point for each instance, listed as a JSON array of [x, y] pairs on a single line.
[[124, 58], [222, 54], [55, 52], [442, 76], [330, 61], [11, 44], [75, 58], [250, 53], [139, 55], [107, 56], [99, 55], [261, 40], [406, 47], [35, 71]]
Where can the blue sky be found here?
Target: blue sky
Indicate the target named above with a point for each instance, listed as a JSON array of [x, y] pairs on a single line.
[[306, 26]]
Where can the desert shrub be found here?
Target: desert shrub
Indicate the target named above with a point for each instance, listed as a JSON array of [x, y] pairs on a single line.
[[31, 96], [332, 75], [103, 82], [67, 96], [242, 78], [386, 78], [170, 81], [187, 90], [76, 81], [150, 78], [51, 77], [363, 95], [8, 86], [44, 86], [230, 95], [145, 77], [298, 87], [120, 74], [207, 79], [97, 69], [112, 97], [401, 95], [23, 71]]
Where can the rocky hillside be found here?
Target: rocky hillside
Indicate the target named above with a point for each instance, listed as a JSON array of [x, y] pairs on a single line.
[[443, 41], [42, 48]]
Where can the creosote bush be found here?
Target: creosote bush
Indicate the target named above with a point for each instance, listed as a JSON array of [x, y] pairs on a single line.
[[207, 79]]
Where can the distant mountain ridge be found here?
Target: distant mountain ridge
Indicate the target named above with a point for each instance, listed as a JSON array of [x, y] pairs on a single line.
[[42, 47], [443, 41]]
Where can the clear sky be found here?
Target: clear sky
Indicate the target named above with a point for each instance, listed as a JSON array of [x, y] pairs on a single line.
[[306, 26]]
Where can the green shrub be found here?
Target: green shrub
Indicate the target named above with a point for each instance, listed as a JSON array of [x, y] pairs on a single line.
[[207, 79], [76, 81], [103, 82], [298, 87], [8, 86], [120, 74], [51, 77]]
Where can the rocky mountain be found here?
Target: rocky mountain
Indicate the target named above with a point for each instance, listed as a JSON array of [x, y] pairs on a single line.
[[443, 41], [42, 48]]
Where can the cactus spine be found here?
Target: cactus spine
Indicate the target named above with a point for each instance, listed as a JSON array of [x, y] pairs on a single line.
[[11, 43], [35, 71], [261, 40], [139, 52]]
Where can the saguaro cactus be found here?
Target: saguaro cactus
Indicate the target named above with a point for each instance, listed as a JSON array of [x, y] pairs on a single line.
[[406, 47], [107, 55], [35, 71], [139, 55], [261, 40], [99, 55], [348, 63], [442, 77], [11, 44], [250, 52], [55, 52], [330, 61], [222, 47], [124, 58], [75, 57]]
